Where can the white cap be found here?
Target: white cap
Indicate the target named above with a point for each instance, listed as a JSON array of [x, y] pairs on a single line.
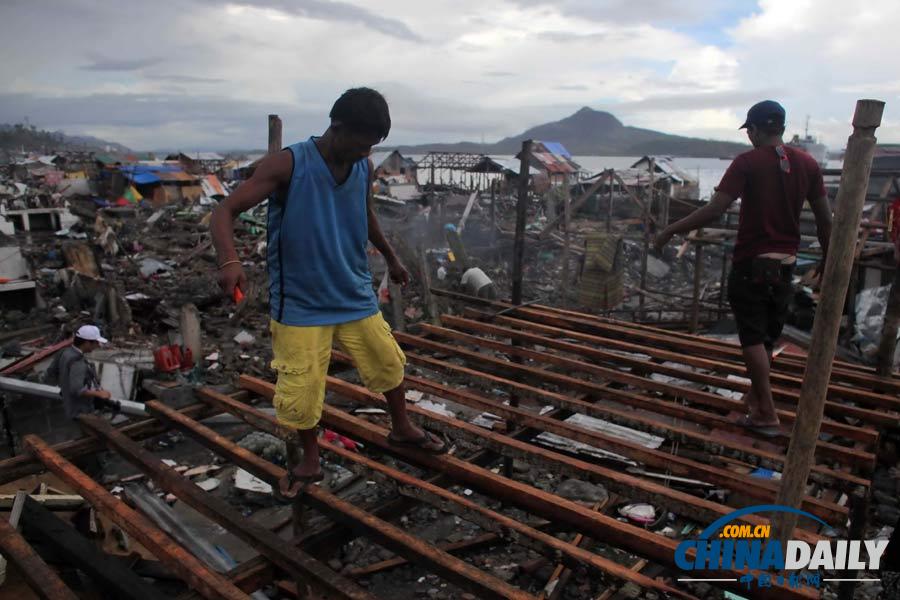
[[91, 333]]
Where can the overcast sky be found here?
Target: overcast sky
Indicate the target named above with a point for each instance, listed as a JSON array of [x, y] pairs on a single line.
[[202, 74]]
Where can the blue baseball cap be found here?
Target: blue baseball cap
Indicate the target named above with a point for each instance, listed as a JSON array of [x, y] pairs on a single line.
[[761, 114]]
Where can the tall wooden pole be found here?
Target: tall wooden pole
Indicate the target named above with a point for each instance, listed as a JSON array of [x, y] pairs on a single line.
[[567, 216], [294, 454], [521, 214], [609, 206], [494, 211], [648, 206], [518, 258], [274, 134], [850, 198]]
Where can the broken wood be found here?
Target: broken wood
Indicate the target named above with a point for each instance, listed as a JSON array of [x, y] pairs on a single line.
[[462, 222], [573, 206], [51, 501]]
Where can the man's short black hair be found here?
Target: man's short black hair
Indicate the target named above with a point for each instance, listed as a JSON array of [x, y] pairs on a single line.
[[363, 110]]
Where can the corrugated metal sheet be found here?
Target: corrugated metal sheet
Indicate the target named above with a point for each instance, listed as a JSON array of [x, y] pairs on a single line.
[[176, 176], [212, 186]]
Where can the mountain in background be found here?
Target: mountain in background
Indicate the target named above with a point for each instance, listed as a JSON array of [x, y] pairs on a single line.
[[591, 132], [31, 139]]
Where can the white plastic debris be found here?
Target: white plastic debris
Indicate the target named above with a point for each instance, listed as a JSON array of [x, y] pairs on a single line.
[[244, 338], [643, 514], [209, 484], [434, 407], [414, 395], [214, 357], [244, 481], [201, 470]]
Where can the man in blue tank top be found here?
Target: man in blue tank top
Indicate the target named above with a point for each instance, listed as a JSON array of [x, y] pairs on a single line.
[[320, 220]]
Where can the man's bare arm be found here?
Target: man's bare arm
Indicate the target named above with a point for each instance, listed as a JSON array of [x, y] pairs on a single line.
[[376, 235], [822, 213], [701, 217], [398, 272], [273, 172]]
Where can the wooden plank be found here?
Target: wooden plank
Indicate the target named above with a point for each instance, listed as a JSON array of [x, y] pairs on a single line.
[[599, 526], [195, 573], [383, 533]]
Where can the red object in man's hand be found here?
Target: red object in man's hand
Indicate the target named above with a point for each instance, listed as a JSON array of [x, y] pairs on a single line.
[[238, 295]]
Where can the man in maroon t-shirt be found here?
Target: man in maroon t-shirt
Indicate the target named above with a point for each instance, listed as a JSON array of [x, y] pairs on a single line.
[[772, 181]]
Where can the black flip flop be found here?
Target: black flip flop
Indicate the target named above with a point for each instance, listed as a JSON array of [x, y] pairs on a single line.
[[419, 443], [769, 431], [289, 485]]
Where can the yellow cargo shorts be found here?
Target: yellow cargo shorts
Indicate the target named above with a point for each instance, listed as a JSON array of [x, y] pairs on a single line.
[[301, 358]]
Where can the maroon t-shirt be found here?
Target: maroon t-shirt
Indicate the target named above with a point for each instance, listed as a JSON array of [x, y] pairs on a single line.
[[771, 198]]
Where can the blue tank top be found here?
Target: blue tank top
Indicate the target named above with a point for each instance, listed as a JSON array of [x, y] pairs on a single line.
[[317, 237]]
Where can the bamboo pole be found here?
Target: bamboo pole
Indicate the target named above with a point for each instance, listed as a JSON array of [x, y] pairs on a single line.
[[850, 198]]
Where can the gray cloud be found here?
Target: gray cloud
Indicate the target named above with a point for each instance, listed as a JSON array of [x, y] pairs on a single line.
[[499, 74], [328, 10], [628, 11], [563, 37], [571, 88], [740, 100], [120, 64], [184, 79]]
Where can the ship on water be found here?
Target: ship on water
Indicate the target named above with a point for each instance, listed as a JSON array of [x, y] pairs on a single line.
[[811, 145]]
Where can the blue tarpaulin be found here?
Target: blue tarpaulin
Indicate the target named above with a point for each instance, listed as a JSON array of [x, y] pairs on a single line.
[[557, 149], [143, 178], [146, 174]]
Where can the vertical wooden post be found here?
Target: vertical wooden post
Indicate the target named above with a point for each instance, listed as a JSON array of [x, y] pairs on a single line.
[[567, 221], [521, 214], [397, 306], [493, 211], [648, 206], [888, 346], [517, 266], [698, 276], [434, 314], [609, 206], [274, 134], [293, 457], [723, 283], [859, 519], [850, 198]]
